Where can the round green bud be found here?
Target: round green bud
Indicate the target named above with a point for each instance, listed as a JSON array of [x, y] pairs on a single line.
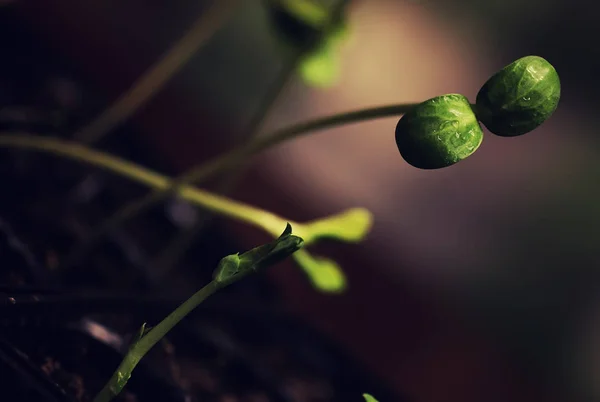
[[519, 98], [438, 132]]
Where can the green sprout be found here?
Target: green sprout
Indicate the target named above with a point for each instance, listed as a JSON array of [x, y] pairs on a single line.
[[231, 269], [434, 134], [234, 267], [439, 132], [520, 97], [324, 273]]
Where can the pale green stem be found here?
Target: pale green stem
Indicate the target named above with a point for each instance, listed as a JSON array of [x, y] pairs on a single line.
[[147, 342], [219, 204]]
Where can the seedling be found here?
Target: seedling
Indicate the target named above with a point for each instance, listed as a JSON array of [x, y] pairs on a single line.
[[434, 134], [231, 269]]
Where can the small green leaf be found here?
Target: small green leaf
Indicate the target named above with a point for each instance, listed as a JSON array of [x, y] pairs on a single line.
[[369, 398], [324, 274], [228, 267], [351, 225], [272, 253], [235, 266], [438, 132], [139, 335], [520, 97]]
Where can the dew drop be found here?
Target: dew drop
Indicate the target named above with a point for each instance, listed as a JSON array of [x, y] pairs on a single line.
[[449, 123]]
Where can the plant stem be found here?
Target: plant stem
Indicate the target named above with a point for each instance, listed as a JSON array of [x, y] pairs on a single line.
[[157, 76], [230, 160], [222, 205], [147, 342], [230, 269], [238, 155]]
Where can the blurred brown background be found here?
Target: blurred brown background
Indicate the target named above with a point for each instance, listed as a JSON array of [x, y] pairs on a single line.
[[478, 281]]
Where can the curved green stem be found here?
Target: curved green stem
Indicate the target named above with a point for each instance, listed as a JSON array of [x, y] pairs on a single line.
[[232, 159], [347, 226], [231, 269], [222, 205], [139, 349], [238, 155]]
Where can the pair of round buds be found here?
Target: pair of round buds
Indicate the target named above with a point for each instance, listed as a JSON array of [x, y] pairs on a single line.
[[445, 130]]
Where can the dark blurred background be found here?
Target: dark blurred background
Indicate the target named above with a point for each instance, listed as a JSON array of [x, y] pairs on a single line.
[[478, 281]]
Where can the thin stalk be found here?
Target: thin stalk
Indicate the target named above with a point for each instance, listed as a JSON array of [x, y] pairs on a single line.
[[230, 270], [159, 74], [222, 205], [121, 375]]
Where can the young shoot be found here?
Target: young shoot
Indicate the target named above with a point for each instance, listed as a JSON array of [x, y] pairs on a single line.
[[231, 269]]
